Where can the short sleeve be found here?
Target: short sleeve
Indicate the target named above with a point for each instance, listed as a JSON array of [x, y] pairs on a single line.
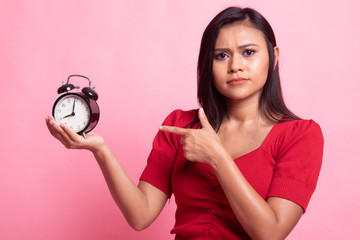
[[298, 162], [162, 156]]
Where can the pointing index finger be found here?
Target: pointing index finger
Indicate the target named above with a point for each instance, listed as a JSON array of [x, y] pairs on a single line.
[[174, 130]]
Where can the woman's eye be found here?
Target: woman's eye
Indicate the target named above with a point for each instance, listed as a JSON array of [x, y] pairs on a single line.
[[248, 52], [221, 56]]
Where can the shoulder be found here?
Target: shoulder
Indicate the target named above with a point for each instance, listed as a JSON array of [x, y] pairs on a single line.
[[299, 128], [295, 134], [181, 118]]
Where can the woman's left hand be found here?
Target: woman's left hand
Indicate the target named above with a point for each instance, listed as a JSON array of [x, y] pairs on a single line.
[[200, 145]]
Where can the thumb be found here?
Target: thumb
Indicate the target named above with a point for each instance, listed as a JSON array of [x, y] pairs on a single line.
[[203, 120]]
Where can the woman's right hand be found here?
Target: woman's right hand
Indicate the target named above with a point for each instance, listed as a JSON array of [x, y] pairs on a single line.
[[72, 140]]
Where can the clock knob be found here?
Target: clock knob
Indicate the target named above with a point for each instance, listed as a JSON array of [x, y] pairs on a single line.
[[65, 88], [90, 93]]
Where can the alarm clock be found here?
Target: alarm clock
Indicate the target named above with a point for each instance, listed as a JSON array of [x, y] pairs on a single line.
[[78, 110]]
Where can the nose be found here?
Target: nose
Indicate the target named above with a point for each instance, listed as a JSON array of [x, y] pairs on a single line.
[[236, 64]]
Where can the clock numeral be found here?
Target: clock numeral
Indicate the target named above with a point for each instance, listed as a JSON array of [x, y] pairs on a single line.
[[63, 105], [69, 101]]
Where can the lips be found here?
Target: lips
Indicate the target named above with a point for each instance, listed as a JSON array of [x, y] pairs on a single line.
[[237, 81]]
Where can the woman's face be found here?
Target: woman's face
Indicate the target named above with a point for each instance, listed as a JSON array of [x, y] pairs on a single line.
[[241, 61]]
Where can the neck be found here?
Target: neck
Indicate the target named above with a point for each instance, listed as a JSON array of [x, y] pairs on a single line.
[[243, 110]]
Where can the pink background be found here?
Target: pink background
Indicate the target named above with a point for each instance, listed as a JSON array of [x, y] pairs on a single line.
[[142, 59]]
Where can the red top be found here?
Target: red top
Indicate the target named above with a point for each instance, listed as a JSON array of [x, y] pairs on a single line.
[[286, 165]]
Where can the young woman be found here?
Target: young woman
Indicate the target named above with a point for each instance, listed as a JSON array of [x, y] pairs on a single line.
[[242, 166]]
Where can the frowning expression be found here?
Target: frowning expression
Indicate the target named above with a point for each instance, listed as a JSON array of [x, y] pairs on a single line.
[[241, 61]]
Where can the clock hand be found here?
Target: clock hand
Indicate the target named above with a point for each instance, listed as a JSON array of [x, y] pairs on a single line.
[[70, 115], [73, 110]]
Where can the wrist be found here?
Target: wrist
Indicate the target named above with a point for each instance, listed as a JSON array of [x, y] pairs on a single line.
[[99, 150], [220, 158]]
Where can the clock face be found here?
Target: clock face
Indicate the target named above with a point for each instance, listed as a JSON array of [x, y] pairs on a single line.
[[72, 110]]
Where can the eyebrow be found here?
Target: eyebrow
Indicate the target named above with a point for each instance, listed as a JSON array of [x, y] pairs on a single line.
[[240, 47]]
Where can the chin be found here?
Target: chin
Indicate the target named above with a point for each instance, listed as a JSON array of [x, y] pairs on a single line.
[[243, 96]]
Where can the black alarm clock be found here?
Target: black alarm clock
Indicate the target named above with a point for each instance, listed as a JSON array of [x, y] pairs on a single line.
[[78, 110]]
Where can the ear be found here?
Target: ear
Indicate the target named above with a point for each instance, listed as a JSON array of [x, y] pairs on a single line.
[[276, 56]]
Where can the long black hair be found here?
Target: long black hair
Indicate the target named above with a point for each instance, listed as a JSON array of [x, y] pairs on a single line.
[[272, 104]]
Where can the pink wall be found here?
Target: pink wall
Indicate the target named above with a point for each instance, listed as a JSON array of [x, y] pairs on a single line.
[[142, 59]]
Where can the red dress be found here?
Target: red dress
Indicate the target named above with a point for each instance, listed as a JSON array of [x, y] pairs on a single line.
[[286, 165]]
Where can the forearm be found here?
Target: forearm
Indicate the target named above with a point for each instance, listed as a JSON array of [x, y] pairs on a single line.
[[252, 211], [128, 197]]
